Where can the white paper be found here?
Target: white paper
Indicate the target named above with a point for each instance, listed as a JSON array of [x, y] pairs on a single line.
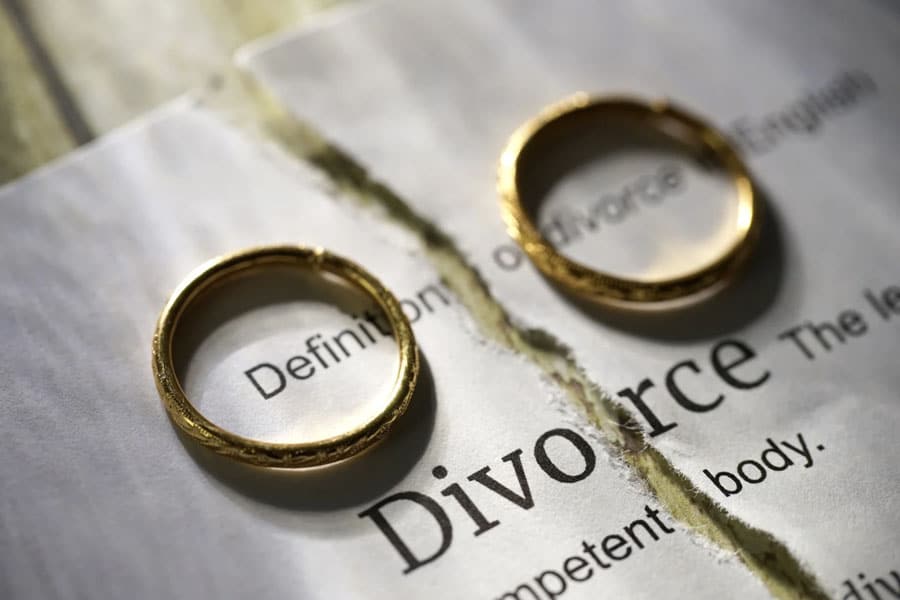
[[101, 499], [425, 95]]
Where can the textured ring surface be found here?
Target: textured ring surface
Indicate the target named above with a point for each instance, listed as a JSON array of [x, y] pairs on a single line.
[[604, 287], [294, 455]]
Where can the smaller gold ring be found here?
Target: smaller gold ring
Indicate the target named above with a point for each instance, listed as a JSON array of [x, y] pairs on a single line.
[[294, 455], [604, 287]]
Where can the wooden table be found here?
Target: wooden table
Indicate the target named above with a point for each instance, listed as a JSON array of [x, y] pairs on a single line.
[[71, 71]]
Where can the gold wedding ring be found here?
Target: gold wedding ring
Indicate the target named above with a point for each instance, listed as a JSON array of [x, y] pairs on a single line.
[[597, 285], [294, 455]]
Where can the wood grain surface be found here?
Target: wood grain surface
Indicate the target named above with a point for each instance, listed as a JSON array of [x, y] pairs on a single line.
[[72, 71]]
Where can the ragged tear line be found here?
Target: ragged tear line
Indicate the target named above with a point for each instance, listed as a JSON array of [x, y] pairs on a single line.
[[766, 557]]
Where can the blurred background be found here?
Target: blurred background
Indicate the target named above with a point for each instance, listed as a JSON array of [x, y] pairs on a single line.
[[71, 71]]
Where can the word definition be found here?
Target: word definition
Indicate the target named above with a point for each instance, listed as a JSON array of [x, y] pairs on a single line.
[[323, 352]]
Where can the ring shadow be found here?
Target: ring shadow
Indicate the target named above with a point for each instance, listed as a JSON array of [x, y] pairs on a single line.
[[724, 310], [351, 482], [356, 480], [573, 146]]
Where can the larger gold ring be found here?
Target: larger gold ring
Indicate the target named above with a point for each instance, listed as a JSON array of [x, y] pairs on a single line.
[[605, 287], [295, 455]]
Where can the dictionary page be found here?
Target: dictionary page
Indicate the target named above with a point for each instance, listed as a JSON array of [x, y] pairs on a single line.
[[777, 398], [491, 486]]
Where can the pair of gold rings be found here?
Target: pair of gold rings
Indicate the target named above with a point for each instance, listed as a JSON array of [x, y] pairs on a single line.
[[582, 280]]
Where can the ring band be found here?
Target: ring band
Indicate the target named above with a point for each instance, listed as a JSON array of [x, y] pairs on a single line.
[[294, 455], [605, 287]]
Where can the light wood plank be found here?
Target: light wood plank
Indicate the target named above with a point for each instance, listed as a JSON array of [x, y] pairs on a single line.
[[32, 131], [120, 59]]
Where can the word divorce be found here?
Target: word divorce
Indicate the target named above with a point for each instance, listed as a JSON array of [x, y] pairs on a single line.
[[568, 224]]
